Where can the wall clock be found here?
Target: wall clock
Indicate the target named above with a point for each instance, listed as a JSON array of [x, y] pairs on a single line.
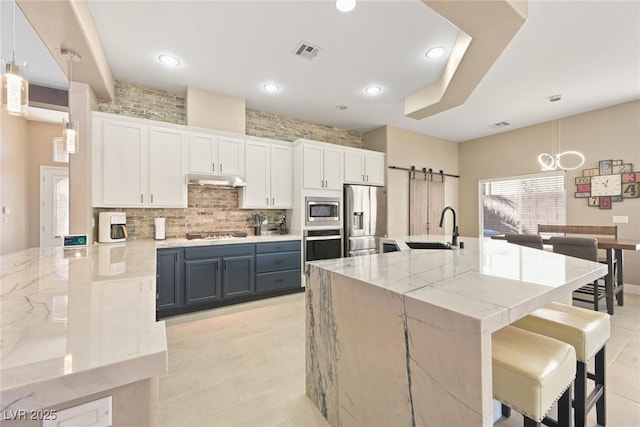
[[611, 181]]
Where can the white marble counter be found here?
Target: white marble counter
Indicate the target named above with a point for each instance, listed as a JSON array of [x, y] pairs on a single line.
[[411, 330], [77, 322], [183, 242]]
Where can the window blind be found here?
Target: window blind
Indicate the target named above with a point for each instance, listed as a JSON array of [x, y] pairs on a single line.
[[519, 204]]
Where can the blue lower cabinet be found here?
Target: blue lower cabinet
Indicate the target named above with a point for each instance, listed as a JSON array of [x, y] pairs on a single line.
[[238, 276], [168, 278], [202, 281], [201, 277]]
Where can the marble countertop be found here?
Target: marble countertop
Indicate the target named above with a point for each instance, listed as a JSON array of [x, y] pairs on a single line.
[[489, 280], [183, 242], [77, 322]]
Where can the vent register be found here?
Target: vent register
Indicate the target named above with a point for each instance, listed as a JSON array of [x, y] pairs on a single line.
[[306, 50]]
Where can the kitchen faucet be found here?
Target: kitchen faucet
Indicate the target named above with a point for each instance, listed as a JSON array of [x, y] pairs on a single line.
[[454, 238]]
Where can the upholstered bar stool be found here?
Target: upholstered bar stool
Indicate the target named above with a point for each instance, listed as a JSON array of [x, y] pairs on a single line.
[[588, 332], [528, 240], [532, 372]]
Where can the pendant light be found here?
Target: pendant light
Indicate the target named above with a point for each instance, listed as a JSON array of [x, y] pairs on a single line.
[[551, 162], [15, 85], [69, 127]]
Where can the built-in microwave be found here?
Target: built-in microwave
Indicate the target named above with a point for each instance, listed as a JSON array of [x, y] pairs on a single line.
[[322, 211]]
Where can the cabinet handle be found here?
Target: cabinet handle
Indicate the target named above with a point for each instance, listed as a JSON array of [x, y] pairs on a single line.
[[213, 167], [152, 198], [273, 201], [367, 178], [279, 261], [220, 167], [267, 200], [279, 280], [141, 198]]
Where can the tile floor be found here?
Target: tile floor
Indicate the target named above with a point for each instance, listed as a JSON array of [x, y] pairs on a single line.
[[244, 366]]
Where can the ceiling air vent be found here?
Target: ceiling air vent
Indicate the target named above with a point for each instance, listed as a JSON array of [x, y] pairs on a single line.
[[306, 50], [499, 125]]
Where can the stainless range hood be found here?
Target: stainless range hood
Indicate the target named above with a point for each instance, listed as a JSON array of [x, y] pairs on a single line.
[[225, 181]]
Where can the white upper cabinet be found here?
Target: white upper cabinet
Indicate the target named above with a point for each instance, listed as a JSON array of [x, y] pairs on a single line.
[[210, 153], [167, 184], [231, 155], [363, 167], [268, 176], [122, 177], [137, 165], [321, 167]]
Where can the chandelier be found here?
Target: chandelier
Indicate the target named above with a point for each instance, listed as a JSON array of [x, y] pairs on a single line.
[[550, 162]]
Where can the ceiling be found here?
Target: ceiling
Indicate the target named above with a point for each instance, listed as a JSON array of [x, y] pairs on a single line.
[[588, 51]]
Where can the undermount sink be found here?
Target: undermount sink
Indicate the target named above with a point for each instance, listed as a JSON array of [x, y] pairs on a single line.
[[430, 245]]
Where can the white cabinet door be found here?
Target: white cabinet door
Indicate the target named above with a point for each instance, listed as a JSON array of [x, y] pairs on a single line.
[[256, 193], [281, 177], [124, 157], [231, 155], [332, 167], [167, 185], [374, 169], [312, 169], [354, 167], [203, 153]]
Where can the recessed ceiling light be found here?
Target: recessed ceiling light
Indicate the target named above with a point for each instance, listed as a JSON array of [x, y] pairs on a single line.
[[169, 60], [271, 87], [373, 90], [345, 5], [435, 52], [341, 107]]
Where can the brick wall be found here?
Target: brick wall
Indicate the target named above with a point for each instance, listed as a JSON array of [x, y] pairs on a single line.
[[209, 209], [269, 125]]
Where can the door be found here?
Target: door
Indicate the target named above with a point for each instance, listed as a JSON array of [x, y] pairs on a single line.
[[168, 278], [124, 153], [203, 153], [231, 156], [238, 276], [426, 202], [354, 167], [332, 167], [256, 193], [202, 280], [54, 205], [281, 177], [312, 167], [167, 185], [374, 169]]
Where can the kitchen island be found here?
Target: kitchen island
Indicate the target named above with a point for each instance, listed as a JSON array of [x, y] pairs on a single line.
[[79, 324], [404, 338]]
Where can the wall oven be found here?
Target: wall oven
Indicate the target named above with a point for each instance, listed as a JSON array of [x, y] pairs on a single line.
[[322, 211], [322, 244]]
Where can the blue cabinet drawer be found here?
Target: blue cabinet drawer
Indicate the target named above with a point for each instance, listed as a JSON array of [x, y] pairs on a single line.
[[266, 282], [218, 251], [287, 246], [277, 261]]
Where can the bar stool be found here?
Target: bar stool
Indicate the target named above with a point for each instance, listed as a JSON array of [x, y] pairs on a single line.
[[530, 373], [588, 332]]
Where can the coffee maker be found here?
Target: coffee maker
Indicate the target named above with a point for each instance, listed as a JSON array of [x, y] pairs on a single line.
[[112, 227]]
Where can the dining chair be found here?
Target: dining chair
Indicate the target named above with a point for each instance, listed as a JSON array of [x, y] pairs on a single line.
[[528, 240], [585, 248]]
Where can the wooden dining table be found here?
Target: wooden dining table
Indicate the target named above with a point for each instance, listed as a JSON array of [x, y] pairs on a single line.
[[613, 248]]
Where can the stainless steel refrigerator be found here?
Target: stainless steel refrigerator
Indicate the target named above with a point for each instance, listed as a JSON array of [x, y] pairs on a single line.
[[365, 218]]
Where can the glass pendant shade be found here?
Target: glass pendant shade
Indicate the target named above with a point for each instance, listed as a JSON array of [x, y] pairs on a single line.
[[15, 87], [70, 136]]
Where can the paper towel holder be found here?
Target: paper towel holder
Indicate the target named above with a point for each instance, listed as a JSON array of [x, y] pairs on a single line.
[[159, 229]]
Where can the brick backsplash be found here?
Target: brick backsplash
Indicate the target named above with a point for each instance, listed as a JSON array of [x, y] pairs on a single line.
[[209, 209]]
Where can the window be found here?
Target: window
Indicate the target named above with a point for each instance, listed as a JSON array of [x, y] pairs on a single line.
[[519, 204]]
